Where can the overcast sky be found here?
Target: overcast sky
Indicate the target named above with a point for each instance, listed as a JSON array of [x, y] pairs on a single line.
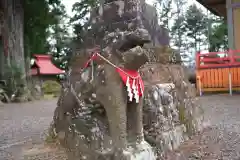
[[69, 3]]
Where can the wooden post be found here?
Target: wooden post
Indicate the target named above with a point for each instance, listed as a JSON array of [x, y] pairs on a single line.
[[230, 24], [230, 81], [236, 23], [199, 84]]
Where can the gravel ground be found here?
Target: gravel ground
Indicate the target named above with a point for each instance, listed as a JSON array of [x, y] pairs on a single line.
[[221, 141], [22, 128]]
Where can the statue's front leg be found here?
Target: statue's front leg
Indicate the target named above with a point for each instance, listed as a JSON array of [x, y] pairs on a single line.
[[113, 97], [135, 120], [115, 107]]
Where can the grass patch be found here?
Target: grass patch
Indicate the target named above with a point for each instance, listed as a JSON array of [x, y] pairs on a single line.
[[51, 88], [49, 96], [182, 116], [51, 136]]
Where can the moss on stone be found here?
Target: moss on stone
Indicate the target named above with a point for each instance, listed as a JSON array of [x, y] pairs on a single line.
[[187, 120], [181, 112], [51, 137], [189, 126]]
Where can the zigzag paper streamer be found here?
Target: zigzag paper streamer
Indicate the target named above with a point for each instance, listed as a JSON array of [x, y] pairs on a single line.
[[134, 87], [129, 90], [137, 94]]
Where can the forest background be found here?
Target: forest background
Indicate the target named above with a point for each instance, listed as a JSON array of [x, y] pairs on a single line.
[[54, 26]]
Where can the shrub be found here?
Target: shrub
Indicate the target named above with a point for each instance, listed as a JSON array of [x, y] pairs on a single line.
[[51, 87]]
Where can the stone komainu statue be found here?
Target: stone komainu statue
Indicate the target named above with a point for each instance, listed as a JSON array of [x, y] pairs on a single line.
[[99, 114], [100, 110], [95, 118]]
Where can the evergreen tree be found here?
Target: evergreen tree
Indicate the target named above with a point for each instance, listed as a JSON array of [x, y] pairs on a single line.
[[165, 12], [217, 36], [38, 17], [177, 29], [79, 20], [26, 24], [196, 26], [60, 40]]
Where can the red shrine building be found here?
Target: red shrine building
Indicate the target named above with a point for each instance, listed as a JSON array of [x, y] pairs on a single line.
[[44, 69]]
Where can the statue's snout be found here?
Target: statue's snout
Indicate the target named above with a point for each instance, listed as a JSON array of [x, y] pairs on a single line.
[[134, 58]]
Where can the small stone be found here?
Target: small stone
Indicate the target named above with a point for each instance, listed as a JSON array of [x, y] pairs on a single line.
[[155, 95], [94, 95]]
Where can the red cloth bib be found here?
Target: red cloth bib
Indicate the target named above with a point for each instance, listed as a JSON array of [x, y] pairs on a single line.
[[133, 82], [130, 78]]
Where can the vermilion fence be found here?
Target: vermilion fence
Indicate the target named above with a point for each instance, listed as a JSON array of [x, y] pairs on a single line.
[[218, 73]]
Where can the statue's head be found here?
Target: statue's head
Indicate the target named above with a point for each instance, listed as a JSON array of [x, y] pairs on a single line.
[[134, 58], [128, 46]]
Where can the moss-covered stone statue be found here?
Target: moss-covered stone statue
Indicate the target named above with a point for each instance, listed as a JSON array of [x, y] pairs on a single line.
[[113, 120], [99, 114]]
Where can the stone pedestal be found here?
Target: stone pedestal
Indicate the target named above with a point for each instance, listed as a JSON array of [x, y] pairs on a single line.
[[142, 151]]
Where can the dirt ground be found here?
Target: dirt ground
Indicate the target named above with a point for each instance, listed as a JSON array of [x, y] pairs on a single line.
[[24, 126]]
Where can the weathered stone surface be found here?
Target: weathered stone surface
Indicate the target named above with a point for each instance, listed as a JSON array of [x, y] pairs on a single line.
[[170, 117], [94, 116], [171, 114], [162, 55], [95, 120], [125, 15]]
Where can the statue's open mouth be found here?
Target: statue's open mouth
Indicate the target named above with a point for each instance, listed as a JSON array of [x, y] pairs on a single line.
[[134, 58], [137, 38], [131, 48], [131, 44]]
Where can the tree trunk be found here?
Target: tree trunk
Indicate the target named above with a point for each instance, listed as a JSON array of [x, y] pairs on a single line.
[[1, 59], [13, 38]]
